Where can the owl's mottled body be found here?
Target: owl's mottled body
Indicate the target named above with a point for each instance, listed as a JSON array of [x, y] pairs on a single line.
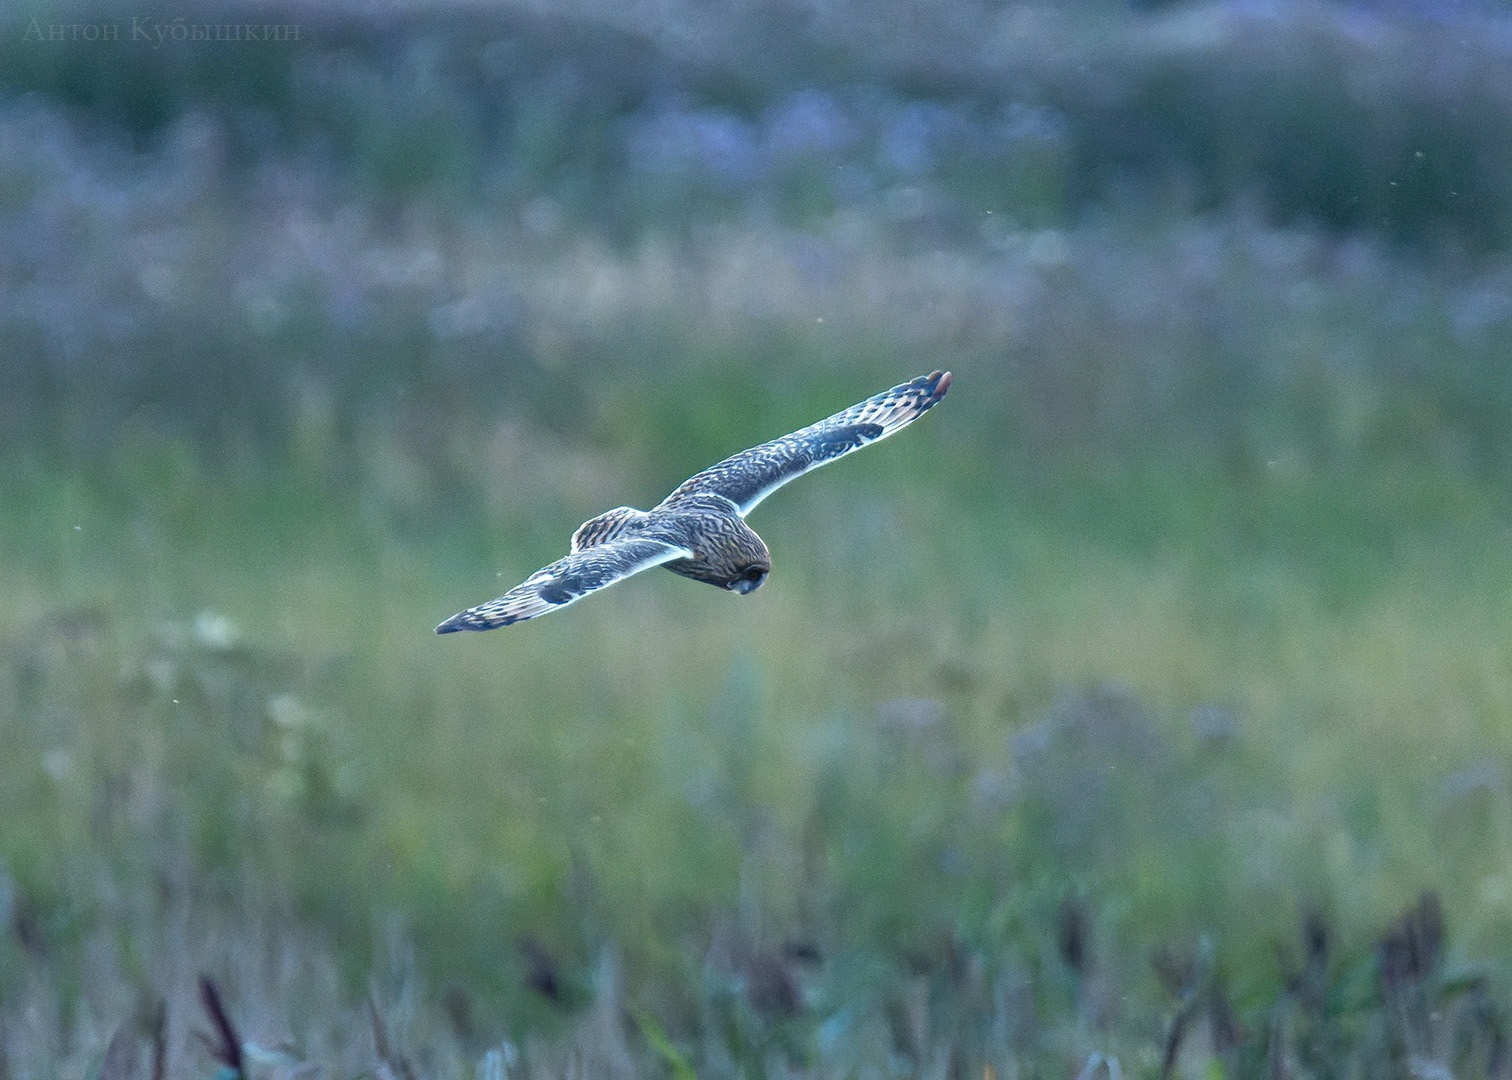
[[699, 530]]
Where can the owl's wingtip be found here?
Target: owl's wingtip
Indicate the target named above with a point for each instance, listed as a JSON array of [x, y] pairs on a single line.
[[941, 381], [482, 617]]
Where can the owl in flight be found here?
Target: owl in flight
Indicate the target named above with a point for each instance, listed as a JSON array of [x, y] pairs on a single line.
[[699, 530]]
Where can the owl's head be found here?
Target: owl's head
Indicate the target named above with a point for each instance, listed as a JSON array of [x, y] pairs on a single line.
[[727, 551], [739, 558], [744, 561]]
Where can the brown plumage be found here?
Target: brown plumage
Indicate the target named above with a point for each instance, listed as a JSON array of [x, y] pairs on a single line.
[[699, 530]]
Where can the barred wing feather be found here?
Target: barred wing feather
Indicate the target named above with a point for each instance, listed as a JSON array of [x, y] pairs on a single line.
[[753, 474], [567, 581]]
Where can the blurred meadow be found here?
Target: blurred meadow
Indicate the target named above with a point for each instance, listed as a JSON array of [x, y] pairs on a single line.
[[1143, 711]]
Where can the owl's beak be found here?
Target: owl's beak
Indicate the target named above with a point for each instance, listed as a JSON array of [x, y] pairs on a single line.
[[743, 586]]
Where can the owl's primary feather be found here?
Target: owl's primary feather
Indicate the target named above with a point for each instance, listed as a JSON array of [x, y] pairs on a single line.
[[699, 530]]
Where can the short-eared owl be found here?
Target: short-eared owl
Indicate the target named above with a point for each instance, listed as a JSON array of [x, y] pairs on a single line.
[[699, 530]]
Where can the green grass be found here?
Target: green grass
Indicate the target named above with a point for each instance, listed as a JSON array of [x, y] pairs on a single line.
[[1180, 696], [231, 669]]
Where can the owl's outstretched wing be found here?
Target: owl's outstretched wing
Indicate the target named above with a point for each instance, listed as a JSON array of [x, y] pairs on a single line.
[[753, 474], [566, 580]]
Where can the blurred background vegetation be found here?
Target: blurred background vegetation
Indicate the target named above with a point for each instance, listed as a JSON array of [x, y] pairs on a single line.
[[1143, 711]]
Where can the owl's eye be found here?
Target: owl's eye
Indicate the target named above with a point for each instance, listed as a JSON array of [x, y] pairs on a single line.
[[748, 579]]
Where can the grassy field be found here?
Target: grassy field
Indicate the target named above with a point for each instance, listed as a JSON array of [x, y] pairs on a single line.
[[1141, 711]]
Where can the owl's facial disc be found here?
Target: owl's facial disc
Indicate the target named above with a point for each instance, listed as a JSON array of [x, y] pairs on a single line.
[[749, 580]]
